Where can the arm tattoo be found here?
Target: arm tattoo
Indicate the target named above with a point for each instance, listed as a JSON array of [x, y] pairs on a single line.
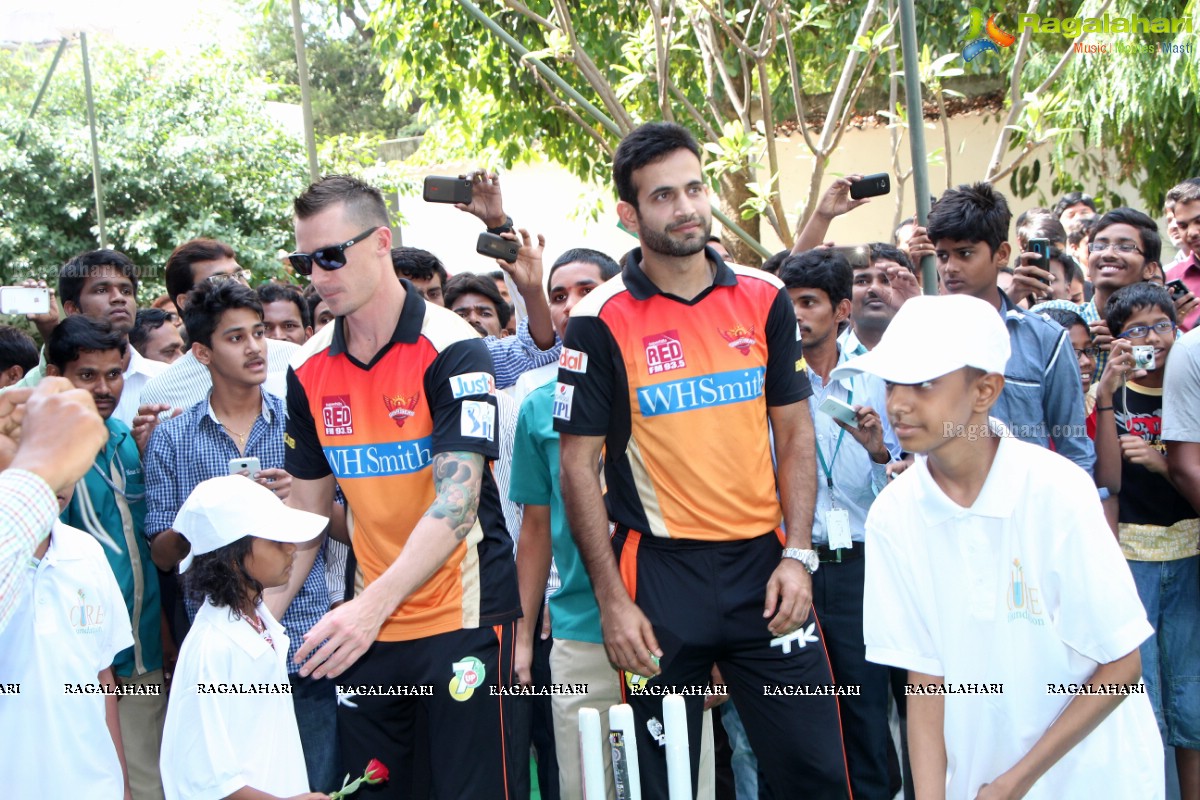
[[456, 479]]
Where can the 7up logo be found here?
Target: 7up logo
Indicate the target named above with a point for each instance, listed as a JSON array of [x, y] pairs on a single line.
[[982, 38], [468, 675]]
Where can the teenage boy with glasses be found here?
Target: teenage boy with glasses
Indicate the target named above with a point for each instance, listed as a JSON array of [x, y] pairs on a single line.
[[1159, 530]]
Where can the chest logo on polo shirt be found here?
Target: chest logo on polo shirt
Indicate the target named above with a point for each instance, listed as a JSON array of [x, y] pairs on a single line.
[[400, 408], [1024, 601], [85, 617], [664, 352], [740, 338], [335, 413]]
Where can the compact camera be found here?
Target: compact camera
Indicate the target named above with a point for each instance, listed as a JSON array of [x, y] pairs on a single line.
[[1143, 357]]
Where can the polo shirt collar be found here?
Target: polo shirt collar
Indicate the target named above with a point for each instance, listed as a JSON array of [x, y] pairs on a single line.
[[140, 365], [239, 631], [408, 327], [996, 499], [642, 288], [63, 547]]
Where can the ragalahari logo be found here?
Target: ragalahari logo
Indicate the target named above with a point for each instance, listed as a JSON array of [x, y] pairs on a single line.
[[981, 38]]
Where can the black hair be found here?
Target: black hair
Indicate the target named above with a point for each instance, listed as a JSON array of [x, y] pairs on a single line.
[[272, 292], [1129, 299], [773, 263], [608, 268], [881, 251], [647, 144], [971, 213], [823, 268], [1071, 269], [417, 264], [206, 303], [363, 203], [77, 334], [1183, 192], [496, 275], [471, 283], [313, 298], [17, 349], [147, 319], [221, 576], [1066, 318], [1073, 198], [179, 276], [75, 272], [1081, 228], [1041, 226], [1148, 228]]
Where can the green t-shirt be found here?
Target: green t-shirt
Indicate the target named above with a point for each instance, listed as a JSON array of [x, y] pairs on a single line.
[[93, 506], [573, 611]]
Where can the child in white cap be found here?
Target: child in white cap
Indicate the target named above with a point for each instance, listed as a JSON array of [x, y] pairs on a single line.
[[992, 577], [231, 728]]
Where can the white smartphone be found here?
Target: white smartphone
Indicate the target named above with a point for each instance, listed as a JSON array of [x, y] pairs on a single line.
[[22, 300], [839, 410], [248, 464]]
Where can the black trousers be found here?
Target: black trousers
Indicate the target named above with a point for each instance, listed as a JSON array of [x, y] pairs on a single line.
[[838, 598]]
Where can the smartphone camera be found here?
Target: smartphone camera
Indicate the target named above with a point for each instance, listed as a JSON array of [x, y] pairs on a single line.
[[1042, 248], [1143, 357]]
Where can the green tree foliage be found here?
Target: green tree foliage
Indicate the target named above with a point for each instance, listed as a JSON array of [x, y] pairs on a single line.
[[187, 149], [348, 97]]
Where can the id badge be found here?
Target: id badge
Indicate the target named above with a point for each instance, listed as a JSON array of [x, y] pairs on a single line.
[[837, 526]]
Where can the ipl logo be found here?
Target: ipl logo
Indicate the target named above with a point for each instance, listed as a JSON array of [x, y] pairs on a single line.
[[978, 42]]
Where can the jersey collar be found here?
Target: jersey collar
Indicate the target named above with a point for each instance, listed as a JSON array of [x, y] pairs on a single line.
[[642, 288], [408, 327]]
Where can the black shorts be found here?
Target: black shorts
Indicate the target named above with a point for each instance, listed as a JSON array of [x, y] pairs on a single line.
[[453, 678], [705, 601]]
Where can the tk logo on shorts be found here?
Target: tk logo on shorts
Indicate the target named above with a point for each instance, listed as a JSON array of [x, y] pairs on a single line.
[[335, 413], [664, 352]]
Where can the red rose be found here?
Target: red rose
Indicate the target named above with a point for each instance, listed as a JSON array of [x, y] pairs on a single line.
[[376, 772]]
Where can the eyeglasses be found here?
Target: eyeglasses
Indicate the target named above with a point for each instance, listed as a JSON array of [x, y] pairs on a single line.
[[327, 258], [1120, 247], [1090, 352], [242, 275], [1142, 331]]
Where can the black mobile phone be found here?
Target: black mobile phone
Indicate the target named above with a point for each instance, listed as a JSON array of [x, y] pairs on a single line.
[[1177, 289], [440, 189], [1042, 248], [871, 186], [857, 255], [494, 246]]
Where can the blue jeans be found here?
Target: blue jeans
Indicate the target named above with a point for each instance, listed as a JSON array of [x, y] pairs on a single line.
[[315, 702], [743, 763], [1170, 591]]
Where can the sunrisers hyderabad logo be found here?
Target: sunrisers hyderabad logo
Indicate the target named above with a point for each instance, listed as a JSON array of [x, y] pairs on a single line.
[[469, 674], [400, 408], [740, 338]]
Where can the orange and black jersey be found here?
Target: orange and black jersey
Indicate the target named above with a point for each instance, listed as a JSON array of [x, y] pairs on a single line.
[[680, 390], [377, 427]]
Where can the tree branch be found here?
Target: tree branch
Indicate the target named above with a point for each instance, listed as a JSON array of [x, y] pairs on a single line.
[[528, 13], [797, 88], [560, 104], [843, 86], [694, 113], [591, 73]]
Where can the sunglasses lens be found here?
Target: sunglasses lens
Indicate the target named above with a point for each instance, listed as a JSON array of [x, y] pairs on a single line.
[[301, 262], [330, 258]]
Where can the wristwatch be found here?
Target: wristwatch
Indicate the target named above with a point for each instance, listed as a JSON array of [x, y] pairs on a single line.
[[504, 228], [806, 557]]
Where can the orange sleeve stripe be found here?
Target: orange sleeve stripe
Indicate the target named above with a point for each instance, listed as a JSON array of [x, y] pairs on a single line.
[[628, 565]]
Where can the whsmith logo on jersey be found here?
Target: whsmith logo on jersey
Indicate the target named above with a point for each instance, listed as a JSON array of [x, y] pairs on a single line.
[[702, 391], [335, 413], [376, 460]]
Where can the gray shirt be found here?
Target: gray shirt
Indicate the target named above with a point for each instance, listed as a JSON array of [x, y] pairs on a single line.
[[1181, 390]]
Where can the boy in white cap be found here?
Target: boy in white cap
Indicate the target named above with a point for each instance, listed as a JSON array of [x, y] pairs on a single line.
[[992, 577], [231, 728]]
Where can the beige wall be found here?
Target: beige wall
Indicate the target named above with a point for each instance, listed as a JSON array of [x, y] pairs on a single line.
[[543, 196]]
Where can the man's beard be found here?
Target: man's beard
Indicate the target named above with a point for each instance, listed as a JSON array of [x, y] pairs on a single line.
[[661, 242]]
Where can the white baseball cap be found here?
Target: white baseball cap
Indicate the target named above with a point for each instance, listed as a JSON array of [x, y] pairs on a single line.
[[222, 510], [931, 336]]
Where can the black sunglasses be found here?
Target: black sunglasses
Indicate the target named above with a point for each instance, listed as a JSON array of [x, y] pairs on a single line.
[[327, 258]]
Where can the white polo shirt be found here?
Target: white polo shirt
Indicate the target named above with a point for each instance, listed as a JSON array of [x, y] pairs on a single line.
[[68, 624], [1024, 589], [230, 720]]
